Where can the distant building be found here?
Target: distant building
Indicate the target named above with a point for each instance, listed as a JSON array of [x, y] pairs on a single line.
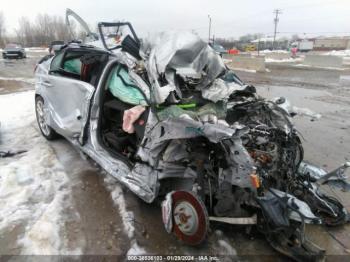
[[267, 43], [331, 43]]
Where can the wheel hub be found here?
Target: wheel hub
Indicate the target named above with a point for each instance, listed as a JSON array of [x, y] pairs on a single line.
[[41, 118], [189, 216], [186, 218]]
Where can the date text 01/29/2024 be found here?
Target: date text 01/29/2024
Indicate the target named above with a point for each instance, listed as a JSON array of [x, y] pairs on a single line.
[[171, 258]]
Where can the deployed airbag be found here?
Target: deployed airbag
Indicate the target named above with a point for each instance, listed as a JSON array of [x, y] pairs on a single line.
[[123, 88], [73, 66]]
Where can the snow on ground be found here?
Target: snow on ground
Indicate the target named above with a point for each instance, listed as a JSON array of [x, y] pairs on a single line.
[[136, 250], [267, 51], [342, 53], [34, 189], [320, 67], [20, 79], [286, 60], [243, 69], [36, 49], [119, 201], [127, 216]]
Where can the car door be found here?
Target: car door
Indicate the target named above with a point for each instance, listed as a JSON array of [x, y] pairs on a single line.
[[68, 98], [79, 29]]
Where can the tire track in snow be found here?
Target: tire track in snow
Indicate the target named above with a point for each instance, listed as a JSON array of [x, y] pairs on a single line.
[[127, 216]]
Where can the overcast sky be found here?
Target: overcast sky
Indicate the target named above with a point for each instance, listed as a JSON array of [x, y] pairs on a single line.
[[230, 18]]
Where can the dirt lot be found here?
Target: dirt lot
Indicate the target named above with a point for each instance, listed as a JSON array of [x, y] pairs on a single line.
[[95, 219]]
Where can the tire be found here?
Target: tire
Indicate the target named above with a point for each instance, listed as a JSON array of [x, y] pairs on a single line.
[[45, 129], [190, 218]]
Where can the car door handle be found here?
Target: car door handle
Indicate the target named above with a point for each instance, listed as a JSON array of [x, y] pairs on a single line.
[[47, 84]]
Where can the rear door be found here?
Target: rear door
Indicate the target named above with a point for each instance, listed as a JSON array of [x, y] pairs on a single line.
[[68, 97]]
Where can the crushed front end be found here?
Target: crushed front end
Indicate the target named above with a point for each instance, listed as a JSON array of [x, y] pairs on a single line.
[[217, 151]]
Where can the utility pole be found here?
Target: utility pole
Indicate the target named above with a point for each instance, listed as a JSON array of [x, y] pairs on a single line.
[[275, 20], [209, 28]]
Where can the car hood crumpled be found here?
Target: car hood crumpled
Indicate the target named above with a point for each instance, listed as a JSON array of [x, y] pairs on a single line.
[[186, 56]]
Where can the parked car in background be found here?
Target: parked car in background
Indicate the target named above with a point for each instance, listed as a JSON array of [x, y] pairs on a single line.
[[249, 48], [233, 51], [14, 51]]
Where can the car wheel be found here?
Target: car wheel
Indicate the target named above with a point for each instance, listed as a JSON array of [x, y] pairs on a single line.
[[190, 218], [45, 129]]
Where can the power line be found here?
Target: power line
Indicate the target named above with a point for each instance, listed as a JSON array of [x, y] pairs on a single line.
[[276, 20]]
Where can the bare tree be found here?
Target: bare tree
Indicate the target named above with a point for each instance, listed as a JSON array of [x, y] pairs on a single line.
[[42, 31], [25, 32], [2, 29], [295, 37], [61, 30]]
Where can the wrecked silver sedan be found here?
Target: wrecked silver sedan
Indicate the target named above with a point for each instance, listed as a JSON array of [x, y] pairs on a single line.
[[170, 121]]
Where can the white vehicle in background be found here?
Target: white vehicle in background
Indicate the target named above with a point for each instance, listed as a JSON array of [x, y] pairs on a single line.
[[303, 46]]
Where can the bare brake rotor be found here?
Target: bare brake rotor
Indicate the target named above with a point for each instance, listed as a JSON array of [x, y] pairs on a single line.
[[190, 218]]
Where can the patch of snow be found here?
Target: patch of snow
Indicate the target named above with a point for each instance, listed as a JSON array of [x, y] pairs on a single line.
[[306, 112], [286, 60], [267, 51], [36, 49], [127, 216], [34, 188], [263, 39], [226, 247], [136, 250], [20, 79], [343, 53], [321, 67], [244, 70], [16, 110], [119, 200], [289, 108]]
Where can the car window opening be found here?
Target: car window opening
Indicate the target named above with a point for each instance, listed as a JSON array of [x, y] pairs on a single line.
[[125, 113]]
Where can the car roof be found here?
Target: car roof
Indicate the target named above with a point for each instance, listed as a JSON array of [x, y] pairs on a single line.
[[80, 46]]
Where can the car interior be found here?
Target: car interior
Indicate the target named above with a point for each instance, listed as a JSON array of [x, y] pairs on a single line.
[[113, 137], [87, 64], [84, 64]]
